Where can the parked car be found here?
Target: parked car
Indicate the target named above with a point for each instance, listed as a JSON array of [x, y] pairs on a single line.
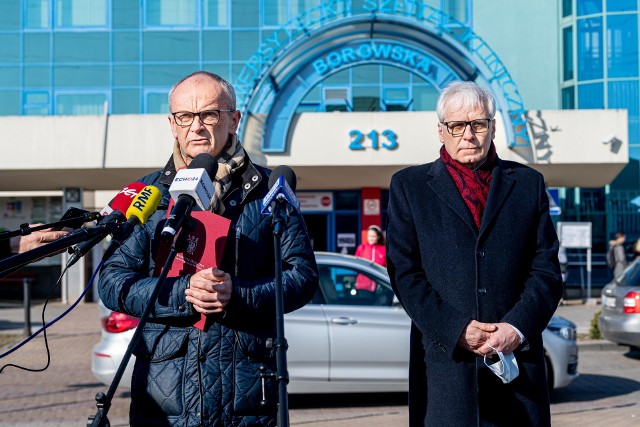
[[347, 340], [620, 318]]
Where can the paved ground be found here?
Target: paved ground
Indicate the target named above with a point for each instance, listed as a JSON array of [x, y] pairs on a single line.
[[606, 393]]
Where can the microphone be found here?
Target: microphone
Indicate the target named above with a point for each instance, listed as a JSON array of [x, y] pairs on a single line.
[[283, 183], [114, 214], [191, 186], [142, 207]]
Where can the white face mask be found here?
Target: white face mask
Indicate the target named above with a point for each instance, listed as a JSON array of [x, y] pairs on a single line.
[[506, 368]]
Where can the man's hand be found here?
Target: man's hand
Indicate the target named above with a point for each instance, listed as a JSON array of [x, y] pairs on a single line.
[[20, 244], [209, 291], [476, 335], [504, 339]]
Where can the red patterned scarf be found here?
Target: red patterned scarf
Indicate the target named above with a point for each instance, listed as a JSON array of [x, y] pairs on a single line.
[[473, 184]]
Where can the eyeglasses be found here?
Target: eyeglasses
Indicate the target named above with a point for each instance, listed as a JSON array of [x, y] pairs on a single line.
[[458, 128], [208, 117]]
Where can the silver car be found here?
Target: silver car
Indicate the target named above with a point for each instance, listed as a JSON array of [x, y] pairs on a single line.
[[620, 318], [353, 337]]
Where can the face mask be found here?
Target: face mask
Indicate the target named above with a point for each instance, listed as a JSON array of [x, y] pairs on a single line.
[[506, 368]]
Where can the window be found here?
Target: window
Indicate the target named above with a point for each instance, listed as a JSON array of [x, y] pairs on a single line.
[[337, 99], [396, 99], [93, 46], [590, 61], [568, 99], [622, 46], [157, 102], [588, 7], [245, 13], [36, 47], [624, 94], [366, 98], [161, 13], [36, 14], [567, 53], [622, 5], [80, 103], [126, 101], [216, 13], [36, 103], [126, 14], [275, 12], [567, 8], [80, 13], [591, 95], [348, 286], [215, 45], [162, 46]]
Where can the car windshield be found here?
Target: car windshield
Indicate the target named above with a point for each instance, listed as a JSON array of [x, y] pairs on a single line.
[[631, 276]]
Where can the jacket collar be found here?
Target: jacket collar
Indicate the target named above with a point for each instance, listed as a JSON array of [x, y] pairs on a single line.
[[250, 177], [443, 186]]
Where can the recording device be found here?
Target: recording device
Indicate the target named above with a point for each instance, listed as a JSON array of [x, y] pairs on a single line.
[[142, 207], [192, 186], [114, 213], [282, 182], [74, 218]]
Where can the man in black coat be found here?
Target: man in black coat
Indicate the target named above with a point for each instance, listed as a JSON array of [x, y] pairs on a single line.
[[473, 258]]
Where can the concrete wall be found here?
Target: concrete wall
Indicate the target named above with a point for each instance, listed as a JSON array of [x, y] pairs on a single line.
[[52, 152], [525, 35]]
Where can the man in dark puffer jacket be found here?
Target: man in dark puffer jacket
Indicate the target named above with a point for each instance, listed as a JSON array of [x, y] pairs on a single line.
[[184, 376]]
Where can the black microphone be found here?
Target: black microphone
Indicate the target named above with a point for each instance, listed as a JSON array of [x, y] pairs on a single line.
[[191, 186]]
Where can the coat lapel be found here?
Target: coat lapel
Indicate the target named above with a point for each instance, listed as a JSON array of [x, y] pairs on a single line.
[[501, 184], [446, 190]]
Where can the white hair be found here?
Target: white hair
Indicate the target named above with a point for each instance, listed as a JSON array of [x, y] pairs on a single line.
[[457, 95]]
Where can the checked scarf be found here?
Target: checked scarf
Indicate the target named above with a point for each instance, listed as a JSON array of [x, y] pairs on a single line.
[[473, 184], [231, 160]]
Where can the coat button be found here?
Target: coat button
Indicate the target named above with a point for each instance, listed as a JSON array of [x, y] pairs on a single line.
[[202, 358], [480, 253], [181, 308], [482, 290]]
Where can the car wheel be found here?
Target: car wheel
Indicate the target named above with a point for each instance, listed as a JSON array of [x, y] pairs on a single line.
[[549, 367]]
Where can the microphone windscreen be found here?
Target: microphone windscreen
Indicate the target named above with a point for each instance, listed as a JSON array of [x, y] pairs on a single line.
[[206, 162], [145, 203], [287, 172], [124, 198]]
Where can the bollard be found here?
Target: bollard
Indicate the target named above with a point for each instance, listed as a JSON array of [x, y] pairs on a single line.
[[26, 286]]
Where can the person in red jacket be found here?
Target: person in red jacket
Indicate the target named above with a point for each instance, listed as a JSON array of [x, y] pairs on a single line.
[[374, 250]]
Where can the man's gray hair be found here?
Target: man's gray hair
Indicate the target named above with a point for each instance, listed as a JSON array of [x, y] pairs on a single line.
[[227, 88], [468, 95]]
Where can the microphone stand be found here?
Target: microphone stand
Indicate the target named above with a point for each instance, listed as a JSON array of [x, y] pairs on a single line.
[[282, 376], [15, 262], [74, 222], [103, 402]]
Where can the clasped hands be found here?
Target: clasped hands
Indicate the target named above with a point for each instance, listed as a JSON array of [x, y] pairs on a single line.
[[487, 338], [209, 291]]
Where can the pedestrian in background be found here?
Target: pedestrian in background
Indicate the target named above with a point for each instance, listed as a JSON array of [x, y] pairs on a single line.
[[616, 256], [374, 250]]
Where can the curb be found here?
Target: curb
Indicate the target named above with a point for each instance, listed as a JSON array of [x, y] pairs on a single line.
[[600, 345]]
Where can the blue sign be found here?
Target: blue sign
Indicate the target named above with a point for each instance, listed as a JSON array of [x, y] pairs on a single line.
[[554, 201]]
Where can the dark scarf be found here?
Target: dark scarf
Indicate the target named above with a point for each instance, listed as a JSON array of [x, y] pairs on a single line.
[[473, 184]]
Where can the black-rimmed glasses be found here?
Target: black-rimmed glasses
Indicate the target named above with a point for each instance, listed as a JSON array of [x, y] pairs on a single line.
[[208, 117], [457, 128]]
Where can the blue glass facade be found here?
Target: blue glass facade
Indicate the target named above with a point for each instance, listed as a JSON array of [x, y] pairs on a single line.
[[76, 57], [604, 36]]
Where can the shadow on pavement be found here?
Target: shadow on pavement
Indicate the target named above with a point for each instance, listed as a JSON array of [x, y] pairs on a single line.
[[338, 400], [589, 387]]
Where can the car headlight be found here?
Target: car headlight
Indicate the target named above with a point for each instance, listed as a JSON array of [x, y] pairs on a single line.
[[567, 332]]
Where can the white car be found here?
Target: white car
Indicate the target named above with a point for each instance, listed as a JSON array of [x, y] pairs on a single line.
[[353, 337]]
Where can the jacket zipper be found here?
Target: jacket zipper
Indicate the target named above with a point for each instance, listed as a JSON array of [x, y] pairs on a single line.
[[200, 380], [237, 248]]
